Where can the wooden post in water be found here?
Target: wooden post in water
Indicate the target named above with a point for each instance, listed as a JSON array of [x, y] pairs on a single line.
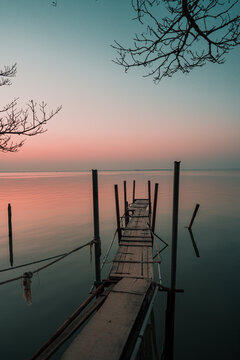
[[96, 228], [133, 191], [10, 234], [175, 223], [117, 213], [154, 207], [193, 216], [172, 294], [149, 197], [125, 203]]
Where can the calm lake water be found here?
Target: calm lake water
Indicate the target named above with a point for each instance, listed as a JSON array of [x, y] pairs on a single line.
[[52, 214]]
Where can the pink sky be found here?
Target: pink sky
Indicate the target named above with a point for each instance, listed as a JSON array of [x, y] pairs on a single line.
[[113, 120]]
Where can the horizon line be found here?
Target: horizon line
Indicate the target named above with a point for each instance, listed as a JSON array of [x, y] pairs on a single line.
[[112, 170]]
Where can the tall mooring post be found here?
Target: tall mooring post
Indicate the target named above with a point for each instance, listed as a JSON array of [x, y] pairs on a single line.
[[149, 197], [133, 199], [96, 228], [10, 234], [154, 207], [170, 319], [117, 213], [125, 203]]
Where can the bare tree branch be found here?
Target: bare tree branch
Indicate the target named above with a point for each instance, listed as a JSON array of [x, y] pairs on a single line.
[[27, 122], [192, 33], [14, 122], [7, 73]]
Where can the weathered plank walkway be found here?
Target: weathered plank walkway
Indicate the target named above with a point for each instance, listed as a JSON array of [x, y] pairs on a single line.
[[112, 331]]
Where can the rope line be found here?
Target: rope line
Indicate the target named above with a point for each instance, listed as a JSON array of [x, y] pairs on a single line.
[[69, 253], [109, 249], [49, 264], [31, 263]]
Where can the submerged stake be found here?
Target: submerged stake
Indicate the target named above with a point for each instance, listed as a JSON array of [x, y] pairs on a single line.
[[9, 220], [193, 216]]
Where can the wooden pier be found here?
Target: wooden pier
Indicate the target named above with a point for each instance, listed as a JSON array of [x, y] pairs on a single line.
[[118, 317], [113, 330]]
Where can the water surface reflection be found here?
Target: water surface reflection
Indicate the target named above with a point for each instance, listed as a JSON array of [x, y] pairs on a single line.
[[52, 214]]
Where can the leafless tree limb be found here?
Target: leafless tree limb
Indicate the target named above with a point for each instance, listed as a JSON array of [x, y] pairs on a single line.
[[15, 122], [27, 122], [192, 33], [7, 73]]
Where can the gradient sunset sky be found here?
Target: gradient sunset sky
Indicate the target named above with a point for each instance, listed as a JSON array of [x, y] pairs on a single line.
[[112, 120]]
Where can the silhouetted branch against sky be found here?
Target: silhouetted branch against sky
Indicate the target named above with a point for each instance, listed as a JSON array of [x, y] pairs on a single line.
[[19, 122], [180, 35], [7, 73]]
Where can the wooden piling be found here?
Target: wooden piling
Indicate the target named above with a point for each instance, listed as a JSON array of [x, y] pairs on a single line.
[[175, 223], [133, 191], [10, 234], [117, 213], [193, 216], [172, 294], [125, 203], [9, 220], [96, 228], [149, 197], [154, 207]]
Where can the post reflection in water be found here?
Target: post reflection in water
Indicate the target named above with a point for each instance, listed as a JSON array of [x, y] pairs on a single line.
[[52, 214], [194, 243], [11, 250]]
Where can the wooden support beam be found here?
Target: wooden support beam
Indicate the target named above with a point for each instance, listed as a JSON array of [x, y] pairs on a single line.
[[117, 213], [125, 203], [154, 207], [10, 234], [96, 228], [172, 294], [133, 191]]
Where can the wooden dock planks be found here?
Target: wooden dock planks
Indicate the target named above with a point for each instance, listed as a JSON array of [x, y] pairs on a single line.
[[105, 336], [135, 246], [107, 333]]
